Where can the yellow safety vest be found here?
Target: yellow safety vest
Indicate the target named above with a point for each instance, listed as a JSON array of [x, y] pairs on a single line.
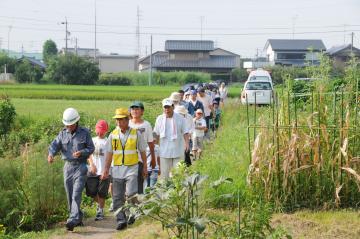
[[124, 155]]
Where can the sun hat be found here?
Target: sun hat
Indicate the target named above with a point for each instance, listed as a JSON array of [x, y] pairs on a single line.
[[201, 89], [167, 102], [137, 104], [193, 92], [175, 97], [121, 113], [101, 127], [180, 109]]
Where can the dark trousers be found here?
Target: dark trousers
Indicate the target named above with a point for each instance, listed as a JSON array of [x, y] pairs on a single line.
[[187, 158], [140, 179]]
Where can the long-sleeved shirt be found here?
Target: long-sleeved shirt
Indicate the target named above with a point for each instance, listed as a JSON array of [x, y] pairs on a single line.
[[68, 143]]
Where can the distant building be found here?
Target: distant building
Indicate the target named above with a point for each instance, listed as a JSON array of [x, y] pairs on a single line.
[[115, 63], [34, 62], [82, 52], [17, 55], [293, 52], [192, 55], [342, 54]]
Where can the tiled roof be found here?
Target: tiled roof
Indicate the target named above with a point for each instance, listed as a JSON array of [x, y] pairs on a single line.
[[295, 44], [337, 49], [189, 45]]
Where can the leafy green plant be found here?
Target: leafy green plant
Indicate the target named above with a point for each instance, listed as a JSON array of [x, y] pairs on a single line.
[[7, 115]]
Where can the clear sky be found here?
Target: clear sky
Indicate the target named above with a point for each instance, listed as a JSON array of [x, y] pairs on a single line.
[[239, 26]]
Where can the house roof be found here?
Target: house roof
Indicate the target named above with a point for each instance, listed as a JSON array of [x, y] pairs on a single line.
[[295, 44], [212, 62], [146, 59], [115, 56], [33, 61], [220, 49], [338, 49], [189, 45]]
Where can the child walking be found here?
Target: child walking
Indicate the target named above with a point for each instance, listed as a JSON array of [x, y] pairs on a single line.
[[198, 134], [96, 187]]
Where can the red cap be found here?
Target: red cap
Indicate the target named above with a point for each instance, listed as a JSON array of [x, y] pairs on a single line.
[[101, 126]]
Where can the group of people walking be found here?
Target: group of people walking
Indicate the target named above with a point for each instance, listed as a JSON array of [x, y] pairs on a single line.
[[133, 155]]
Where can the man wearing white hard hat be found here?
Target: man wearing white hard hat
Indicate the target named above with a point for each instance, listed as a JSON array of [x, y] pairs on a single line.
[[75, 144], [173, 137]]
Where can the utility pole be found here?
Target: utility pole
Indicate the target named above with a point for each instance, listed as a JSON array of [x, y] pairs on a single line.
[[151, 47], [344, 33], [66, 35], [201, 27], [138, 31], [22, 50], [95, 33], [352, 42], [76, 46], [8, 50]]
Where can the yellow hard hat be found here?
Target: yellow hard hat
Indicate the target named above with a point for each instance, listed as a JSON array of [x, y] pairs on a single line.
[[121, 113]]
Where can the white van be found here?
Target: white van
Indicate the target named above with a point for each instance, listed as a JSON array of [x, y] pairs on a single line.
[[259, 75], [257, 92]]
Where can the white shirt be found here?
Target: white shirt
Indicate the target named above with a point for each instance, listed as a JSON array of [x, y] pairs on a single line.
[[146, 132], [98, 157], [206, 101], [171, 148], [148, 157], [199, 123], [189, 123]]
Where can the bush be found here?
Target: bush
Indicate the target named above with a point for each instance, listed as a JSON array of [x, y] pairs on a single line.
[[9, 62], [7, 115], [124, 78], [239, 75], [71, 69]]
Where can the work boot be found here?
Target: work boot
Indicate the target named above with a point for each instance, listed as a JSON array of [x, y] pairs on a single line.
[[121, 226], [131, 220], [70, 226]]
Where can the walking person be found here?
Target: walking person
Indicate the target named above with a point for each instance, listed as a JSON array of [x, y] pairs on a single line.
[[144, 127], [96, 187], [198, 134], [223, 91], [122, 149], [75, 144], [173, 137], [153, 172], [194, 103], [190, 126], [208, 107]]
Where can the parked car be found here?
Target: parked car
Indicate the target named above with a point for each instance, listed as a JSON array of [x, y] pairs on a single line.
[[259, 75], [257, 92]]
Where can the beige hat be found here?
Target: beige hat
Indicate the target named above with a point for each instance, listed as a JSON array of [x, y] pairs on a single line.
[[167, 102], [180, 109], [175, 97]]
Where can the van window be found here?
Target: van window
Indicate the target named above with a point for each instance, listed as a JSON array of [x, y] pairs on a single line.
[[258, 86], [261, 78]]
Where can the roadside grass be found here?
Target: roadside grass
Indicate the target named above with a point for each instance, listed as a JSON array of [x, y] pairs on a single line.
[[320, 224]]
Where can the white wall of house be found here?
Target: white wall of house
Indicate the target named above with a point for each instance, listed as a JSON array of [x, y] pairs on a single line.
[[117, 64]]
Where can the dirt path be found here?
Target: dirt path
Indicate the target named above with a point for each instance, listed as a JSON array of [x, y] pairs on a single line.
[[104, 229]]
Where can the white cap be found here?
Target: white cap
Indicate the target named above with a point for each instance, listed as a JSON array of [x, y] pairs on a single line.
[[167, 102], [199, 111]]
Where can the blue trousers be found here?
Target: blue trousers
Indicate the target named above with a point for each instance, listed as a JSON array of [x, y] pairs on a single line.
[[74, 182]]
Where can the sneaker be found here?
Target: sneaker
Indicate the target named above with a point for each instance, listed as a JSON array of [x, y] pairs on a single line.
[[131, 220], [111, 208], [70, 226], [99, 214], [121, 226]]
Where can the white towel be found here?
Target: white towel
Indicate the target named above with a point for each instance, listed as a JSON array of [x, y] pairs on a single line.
[[163, 127]]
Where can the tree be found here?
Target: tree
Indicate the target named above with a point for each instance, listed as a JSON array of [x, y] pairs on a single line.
[[71, 69], [26, 73], [9, 62], [7, 115], [49, 50]]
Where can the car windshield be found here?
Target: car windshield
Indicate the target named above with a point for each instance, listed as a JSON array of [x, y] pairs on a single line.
[[258, 86], [259, 78]]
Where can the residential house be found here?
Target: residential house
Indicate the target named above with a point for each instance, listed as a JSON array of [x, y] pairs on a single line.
[[192, 55], [34, 62], [114, 63], [293, 52], [342, 54]]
